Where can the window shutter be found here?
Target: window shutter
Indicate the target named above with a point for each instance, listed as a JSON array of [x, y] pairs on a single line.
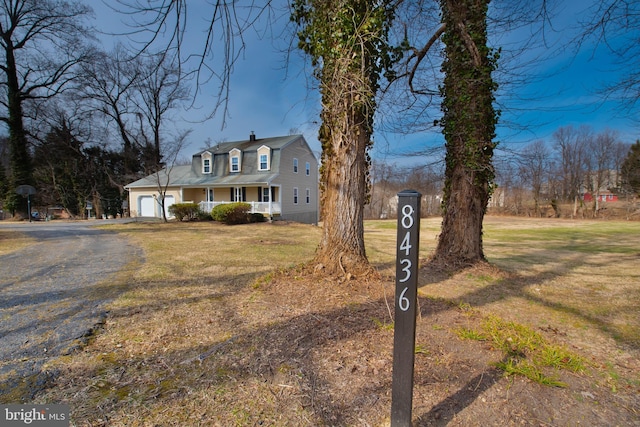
[[232, 194], [273, 194], [259, 194], [244, 194]]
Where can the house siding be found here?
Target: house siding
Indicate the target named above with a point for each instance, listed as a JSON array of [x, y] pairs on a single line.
[[135, 196], [194, 195], [301, 212]]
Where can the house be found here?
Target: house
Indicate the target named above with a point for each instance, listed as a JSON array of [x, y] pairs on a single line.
[[603, 196], [277, 176]]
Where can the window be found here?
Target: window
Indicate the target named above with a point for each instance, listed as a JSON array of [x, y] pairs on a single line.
[[308, 195], [235, 160], [264, 158], [295, 195], [265, 194], [210, 194], [295, 165], [308, 168], [206, 162]]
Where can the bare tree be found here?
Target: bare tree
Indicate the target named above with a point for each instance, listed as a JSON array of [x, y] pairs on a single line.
[[385, 184], [159, 25], [570, 145], [107, 85], [534, 169], [600, 165], [163, 176], [158, 91], [43, 42]]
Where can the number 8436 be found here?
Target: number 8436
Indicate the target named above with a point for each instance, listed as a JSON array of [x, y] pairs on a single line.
[[405, 246]]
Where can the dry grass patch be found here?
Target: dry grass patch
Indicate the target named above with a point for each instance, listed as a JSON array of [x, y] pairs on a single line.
[[223, 326], [11, 241]]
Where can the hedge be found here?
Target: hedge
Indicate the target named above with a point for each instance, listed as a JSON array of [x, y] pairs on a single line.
[[231, 213], [186, 211]]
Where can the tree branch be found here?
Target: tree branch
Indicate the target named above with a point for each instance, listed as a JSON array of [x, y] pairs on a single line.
[[420, 54]]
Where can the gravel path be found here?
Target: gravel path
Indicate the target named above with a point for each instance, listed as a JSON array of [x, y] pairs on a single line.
[[50, 298]]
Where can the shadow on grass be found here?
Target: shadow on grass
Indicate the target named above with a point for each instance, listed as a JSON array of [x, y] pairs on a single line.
[[516, 286], [329, 367], [337, 362]]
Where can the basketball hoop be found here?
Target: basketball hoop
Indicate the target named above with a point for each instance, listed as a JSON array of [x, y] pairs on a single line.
[[26, 191]]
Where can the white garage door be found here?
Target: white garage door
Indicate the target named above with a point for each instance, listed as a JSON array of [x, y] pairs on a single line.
[[168, 201], [147, 206]]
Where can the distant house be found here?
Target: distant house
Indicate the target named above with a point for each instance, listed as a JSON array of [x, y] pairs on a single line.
[[277, 176], [606, 196]]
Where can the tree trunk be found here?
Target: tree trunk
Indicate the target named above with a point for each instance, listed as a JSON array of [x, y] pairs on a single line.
[[20, 160], [460, 242], [469, 127], [344, 177], [348, 44]]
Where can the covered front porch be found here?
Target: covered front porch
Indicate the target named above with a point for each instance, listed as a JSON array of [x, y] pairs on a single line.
[[265, 208], [263, 199]]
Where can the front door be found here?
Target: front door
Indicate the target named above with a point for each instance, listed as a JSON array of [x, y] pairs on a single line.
[[239, 194]]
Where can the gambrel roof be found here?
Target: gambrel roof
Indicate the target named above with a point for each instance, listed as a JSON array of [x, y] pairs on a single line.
[[193, 176]]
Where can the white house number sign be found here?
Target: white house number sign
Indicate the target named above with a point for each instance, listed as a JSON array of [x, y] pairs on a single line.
[[404, 337], [406, 222]]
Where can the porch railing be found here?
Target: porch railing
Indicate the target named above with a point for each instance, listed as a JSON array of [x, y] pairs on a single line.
[[256, 207]]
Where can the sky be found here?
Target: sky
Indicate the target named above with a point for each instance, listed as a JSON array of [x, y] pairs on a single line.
[[271, 94]]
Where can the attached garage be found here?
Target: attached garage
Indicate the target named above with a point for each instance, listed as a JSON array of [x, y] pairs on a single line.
[[168, 201], [146, 206]]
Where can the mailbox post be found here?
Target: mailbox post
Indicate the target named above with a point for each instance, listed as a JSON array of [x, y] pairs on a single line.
[[404, 337]]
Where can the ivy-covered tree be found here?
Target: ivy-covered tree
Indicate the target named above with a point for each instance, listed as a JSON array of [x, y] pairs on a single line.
[[347, 41], [468, 124]]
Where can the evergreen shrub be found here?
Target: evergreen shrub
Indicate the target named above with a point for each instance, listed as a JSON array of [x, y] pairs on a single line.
[[231, 213]]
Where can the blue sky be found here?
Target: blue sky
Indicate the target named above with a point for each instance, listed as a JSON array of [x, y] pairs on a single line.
[[270, 100]]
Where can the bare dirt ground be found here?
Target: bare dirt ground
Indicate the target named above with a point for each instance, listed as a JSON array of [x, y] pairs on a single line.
[[199, 341], [344, 355]]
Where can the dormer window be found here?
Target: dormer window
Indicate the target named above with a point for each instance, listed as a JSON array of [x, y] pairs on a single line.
[[264, 158], [235, 163], [206, 162]]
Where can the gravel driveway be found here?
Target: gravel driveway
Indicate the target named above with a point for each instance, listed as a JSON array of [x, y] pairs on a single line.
[[50, 298]]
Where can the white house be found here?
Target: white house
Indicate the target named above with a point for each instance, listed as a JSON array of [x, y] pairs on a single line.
[[277, 176]]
